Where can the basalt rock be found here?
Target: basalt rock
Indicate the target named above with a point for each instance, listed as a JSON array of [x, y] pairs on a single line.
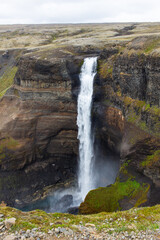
[[126, 117], [38, 132]]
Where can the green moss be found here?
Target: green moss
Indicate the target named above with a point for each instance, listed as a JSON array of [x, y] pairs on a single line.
[[127, 101], [110, 70], [143, 126], [23, 225], [151, 159], [134, 102], [135, 108], [81, 63], [142, 194], [124, 169], [139, 104], [9, 143], [119, 92], [147, 107], [5, 145], [155, 110], [105, 69], [132, 116], [107, 199], [7, 80]]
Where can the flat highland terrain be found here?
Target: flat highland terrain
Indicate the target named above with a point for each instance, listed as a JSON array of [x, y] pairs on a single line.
[[60, 35]]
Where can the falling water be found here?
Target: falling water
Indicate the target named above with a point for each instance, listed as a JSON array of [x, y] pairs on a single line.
[[86, 151]]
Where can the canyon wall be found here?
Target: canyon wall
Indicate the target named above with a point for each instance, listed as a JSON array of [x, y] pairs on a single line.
[[127, 118], [38, 131]]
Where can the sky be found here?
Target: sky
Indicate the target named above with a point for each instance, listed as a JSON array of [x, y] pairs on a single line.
[[78, 11]]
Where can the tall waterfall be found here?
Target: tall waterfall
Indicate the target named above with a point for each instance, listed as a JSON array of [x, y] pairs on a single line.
[[86, 150], [92, 173]]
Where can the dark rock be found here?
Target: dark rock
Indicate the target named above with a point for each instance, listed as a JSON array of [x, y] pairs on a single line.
[[107, 52], [73, 210], [38, 136]]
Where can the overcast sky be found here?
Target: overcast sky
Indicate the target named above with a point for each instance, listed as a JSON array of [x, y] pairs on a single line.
[[78, 11]]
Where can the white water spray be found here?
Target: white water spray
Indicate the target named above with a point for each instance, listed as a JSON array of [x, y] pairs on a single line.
[[86, 151]]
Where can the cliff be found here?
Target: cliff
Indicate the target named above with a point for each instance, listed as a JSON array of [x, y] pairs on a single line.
[[38, 132], [127, 118]]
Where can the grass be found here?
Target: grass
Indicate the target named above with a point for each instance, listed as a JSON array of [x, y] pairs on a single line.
[[135, 108], [135, 219], [105, 69], [151, 45], [6, 80]]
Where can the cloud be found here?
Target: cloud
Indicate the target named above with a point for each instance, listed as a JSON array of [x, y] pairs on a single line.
[[76, 11]]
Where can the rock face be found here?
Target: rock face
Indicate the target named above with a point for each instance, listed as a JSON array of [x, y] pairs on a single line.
[[126, 117], [144, 72], [38, 132]]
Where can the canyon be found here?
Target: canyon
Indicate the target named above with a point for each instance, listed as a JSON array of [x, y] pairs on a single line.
[[38, 111]]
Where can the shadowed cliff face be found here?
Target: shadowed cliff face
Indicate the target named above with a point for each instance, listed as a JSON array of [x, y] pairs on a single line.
[[126, 118], [38, 132]]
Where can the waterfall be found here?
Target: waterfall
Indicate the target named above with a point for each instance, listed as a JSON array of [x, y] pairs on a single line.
[[92, 173], [86, 150]]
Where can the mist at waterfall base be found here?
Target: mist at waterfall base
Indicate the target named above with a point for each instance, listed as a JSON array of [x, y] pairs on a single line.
[[98, 167], [67, 200]]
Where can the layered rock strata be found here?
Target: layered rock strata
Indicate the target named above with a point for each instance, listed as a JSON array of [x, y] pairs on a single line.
[[127, 118], [38, 132]]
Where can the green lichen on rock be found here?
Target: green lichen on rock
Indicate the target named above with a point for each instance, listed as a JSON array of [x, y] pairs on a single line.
[[107, 199], [151, 159], [105, 68], [9, 143], [135, 109], [6, 80], [6, 144]]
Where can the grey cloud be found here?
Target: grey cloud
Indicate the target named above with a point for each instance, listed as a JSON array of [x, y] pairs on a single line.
[[63, 11]]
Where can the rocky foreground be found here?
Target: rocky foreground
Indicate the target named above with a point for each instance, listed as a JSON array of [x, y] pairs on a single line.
[[136, 223]]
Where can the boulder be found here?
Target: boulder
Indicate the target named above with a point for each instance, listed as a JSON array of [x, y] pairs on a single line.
[[10, 222]]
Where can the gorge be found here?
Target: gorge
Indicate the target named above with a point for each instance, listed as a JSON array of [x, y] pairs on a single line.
[[91, 172], [38, 130]]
